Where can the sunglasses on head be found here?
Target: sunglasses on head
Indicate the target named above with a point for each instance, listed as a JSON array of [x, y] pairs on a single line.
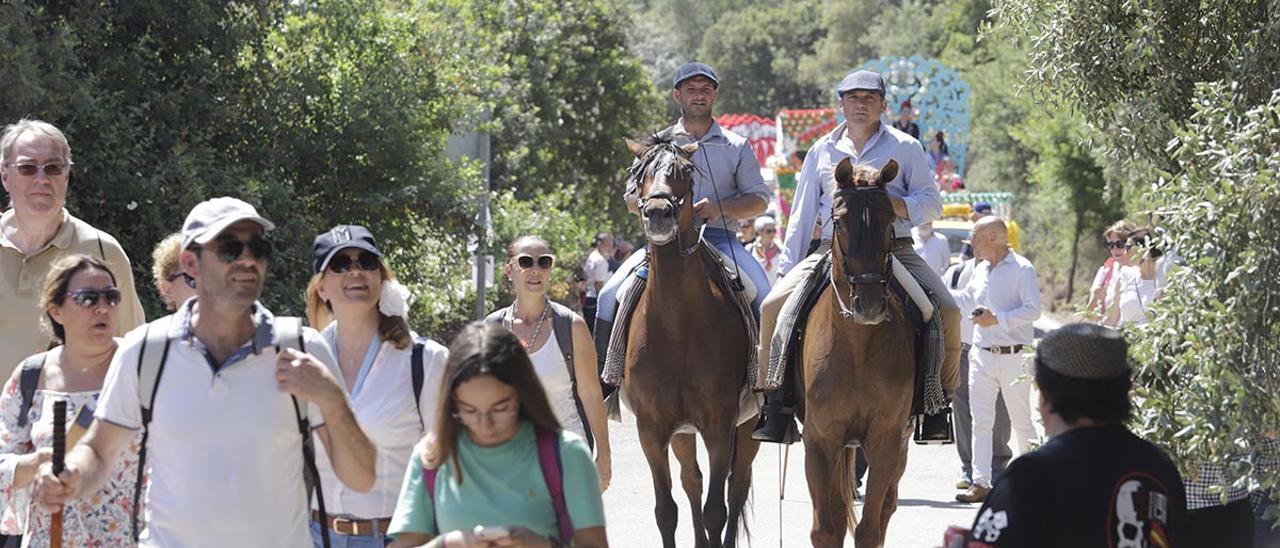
[[186, 278], [365, 261], [545, 262], [50, 170], [89, 298], [230, 249]]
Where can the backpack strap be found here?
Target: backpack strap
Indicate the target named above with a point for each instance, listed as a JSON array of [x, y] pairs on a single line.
[[562, 326], [553, 474], [429, 477], [28, 380], [418, 370], [289, 335], [151, 359]]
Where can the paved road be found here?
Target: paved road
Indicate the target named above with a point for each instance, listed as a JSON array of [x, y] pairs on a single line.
[[925, 507]]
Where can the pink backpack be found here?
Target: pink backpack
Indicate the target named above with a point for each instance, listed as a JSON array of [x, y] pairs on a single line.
[[552, 473]]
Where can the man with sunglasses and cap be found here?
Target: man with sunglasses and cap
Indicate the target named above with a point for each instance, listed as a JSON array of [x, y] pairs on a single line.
[[864, 140], [229, 397], [37, 230], [727, 187]]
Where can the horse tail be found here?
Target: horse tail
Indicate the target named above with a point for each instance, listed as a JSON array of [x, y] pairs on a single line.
[[845, 476], [740, 492]]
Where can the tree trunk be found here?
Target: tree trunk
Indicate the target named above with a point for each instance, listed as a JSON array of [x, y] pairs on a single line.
[[1075, 255]]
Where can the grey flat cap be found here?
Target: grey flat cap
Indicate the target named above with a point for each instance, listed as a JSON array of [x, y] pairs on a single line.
[[861, 80], [1085, 351]]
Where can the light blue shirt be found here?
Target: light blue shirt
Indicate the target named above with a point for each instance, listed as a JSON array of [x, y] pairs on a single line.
[[914, 185], [1011, 291]]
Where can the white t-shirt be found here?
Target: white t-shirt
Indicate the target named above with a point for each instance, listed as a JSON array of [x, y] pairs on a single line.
[[385, 410], [224, 457], [548, 363], [935, 250], [595, 269], [1136, 295], [1111, 281]]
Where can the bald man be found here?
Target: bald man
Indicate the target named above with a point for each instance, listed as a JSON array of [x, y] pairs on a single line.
[[1003, 298]]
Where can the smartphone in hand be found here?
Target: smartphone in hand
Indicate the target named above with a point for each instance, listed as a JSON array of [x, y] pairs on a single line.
[[491, 533]]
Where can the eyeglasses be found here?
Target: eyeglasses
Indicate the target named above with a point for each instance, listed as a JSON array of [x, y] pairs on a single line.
[[1116, 244], [474, 418], [89, 298], [545, 262], [230, 249], [365, 261], [186, 278], [50, 170]]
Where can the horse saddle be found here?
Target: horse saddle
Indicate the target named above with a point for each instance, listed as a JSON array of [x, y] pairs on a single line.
[[738, 289], [920, 311]]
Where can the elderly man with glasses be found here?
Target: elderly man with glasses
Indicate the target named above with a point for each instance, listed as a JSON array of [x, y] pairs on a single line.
[[37, 230]]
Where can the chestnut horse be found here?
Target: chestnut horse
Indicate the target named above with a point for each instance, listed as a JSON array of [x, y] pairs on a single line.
[[859, 367], [686, 356]]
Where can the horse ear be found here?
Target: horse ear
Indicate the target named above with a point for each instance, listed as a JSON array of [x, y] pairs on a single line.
[[888, 172], [844, 173], [690, 148], [636, 147]]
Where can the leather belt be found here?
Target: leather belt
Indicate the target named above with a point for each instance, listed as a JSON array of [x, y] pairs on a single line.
[[355, 527], [1015, 349]]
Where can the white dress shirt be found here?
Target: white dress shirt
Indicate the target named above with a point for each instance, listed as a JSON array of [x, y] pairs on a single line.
[[935, 250], [1011, 291], [957, 278], [812, 204]]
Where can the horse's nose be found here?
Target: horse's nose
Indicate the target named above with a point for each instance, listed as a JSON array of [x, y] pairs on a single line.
[[657, 211]]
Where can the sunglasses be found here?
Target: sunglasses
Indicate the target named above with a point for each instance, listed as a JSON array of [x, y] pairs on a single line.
[[50, 170], [230, 249], [186, 278], [89, 298], [1116, 244], [365, 261], [545, 262], [768, 231]]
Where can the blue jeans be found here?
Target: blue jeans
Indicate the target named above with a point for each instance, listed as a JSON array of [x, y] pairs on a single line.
[[375, 540], [607, 303]]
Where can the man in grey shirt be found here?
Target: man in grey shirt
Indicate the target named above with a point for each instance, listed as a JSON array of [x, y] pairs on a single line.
[[727, 187], [864, 140]]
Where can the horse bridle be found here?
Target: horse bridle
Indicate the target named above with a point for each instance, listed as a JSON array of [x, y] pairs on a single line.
[[866, 278], [677, 203]]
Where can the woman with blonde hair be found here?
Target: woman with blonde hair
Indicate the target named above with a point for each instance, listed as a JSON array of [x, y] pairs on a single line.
[[1115, 238], [80, 301], [175, 286], [503, 472], [391, 377]]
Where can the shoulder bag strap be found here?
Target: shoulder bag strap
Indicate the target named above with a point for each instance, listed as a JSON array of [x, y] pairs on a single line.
[[289, 335], [418, 370], [151, 360], [562, 325], [553, 474], [28, 380]]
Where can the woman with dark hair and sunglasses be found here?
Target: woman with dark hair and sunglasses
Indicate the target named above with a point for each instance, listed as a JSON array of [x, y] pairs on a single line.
[[1104, 282], [80, 301], [174, 285], [363, 312], [498, 455], [559, 345], [1139, 283]]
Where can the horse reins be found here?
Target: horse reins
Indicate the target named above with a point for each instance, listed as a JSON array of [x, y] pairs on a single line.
[[867, 278]]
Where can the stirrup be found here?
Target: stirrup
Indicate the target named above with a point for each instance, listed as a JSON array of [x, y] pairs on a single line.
[[934, 429], [767, 430]]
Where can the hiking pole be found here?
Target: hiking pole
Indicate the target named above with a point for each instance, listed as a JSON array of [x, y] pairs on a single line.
[[59, 457]]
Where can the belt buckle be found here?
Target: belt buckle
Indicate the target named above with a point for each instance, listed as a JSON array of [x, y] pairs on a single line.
[[339, 523]]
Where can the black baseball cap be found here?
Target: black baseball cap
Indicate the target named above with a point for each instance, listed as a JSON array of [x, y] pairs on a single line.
[[338, 238], [690, 70]]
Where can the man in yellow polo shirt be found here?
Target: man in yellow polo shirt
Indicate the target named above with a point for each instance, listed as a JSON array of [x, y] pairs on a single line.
[[36, 231]]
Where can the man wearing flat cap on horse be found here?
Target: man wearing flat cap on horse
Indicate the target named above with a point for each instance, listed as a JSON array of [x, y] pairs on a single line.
[[863, 139]]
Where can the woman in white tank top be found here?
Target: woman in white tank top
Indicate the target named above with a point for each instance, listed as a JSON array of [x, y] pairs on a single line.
[[531, 318], [1138, 285]]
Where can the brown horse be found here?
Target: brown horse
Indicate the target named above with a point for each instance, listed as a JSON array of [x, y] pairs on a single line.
[[685, 360], [859, 373]]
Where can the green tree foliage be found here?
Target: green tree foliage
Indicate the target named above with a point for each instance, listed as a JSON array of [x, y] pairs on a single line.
[[1208, 374], [756, 52]]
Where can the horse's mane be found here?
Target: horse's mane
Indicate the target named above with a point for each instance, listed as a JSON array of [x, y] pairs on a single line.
[[655, 144]]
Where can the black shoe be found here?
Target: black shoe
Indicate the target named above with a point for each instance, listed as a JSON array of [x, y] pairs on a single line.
[[935, 429], [777, 427]]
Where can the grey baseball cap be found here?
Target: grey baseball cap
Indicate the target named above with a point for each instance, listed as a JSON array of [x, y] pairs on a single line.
[[690, 70], [861, 80], [210, 217], [1085, 351]]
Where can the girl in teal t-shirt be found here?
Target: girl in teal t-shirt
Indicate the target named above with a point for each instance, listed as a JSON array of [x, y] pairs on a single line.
[[489, 486]]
